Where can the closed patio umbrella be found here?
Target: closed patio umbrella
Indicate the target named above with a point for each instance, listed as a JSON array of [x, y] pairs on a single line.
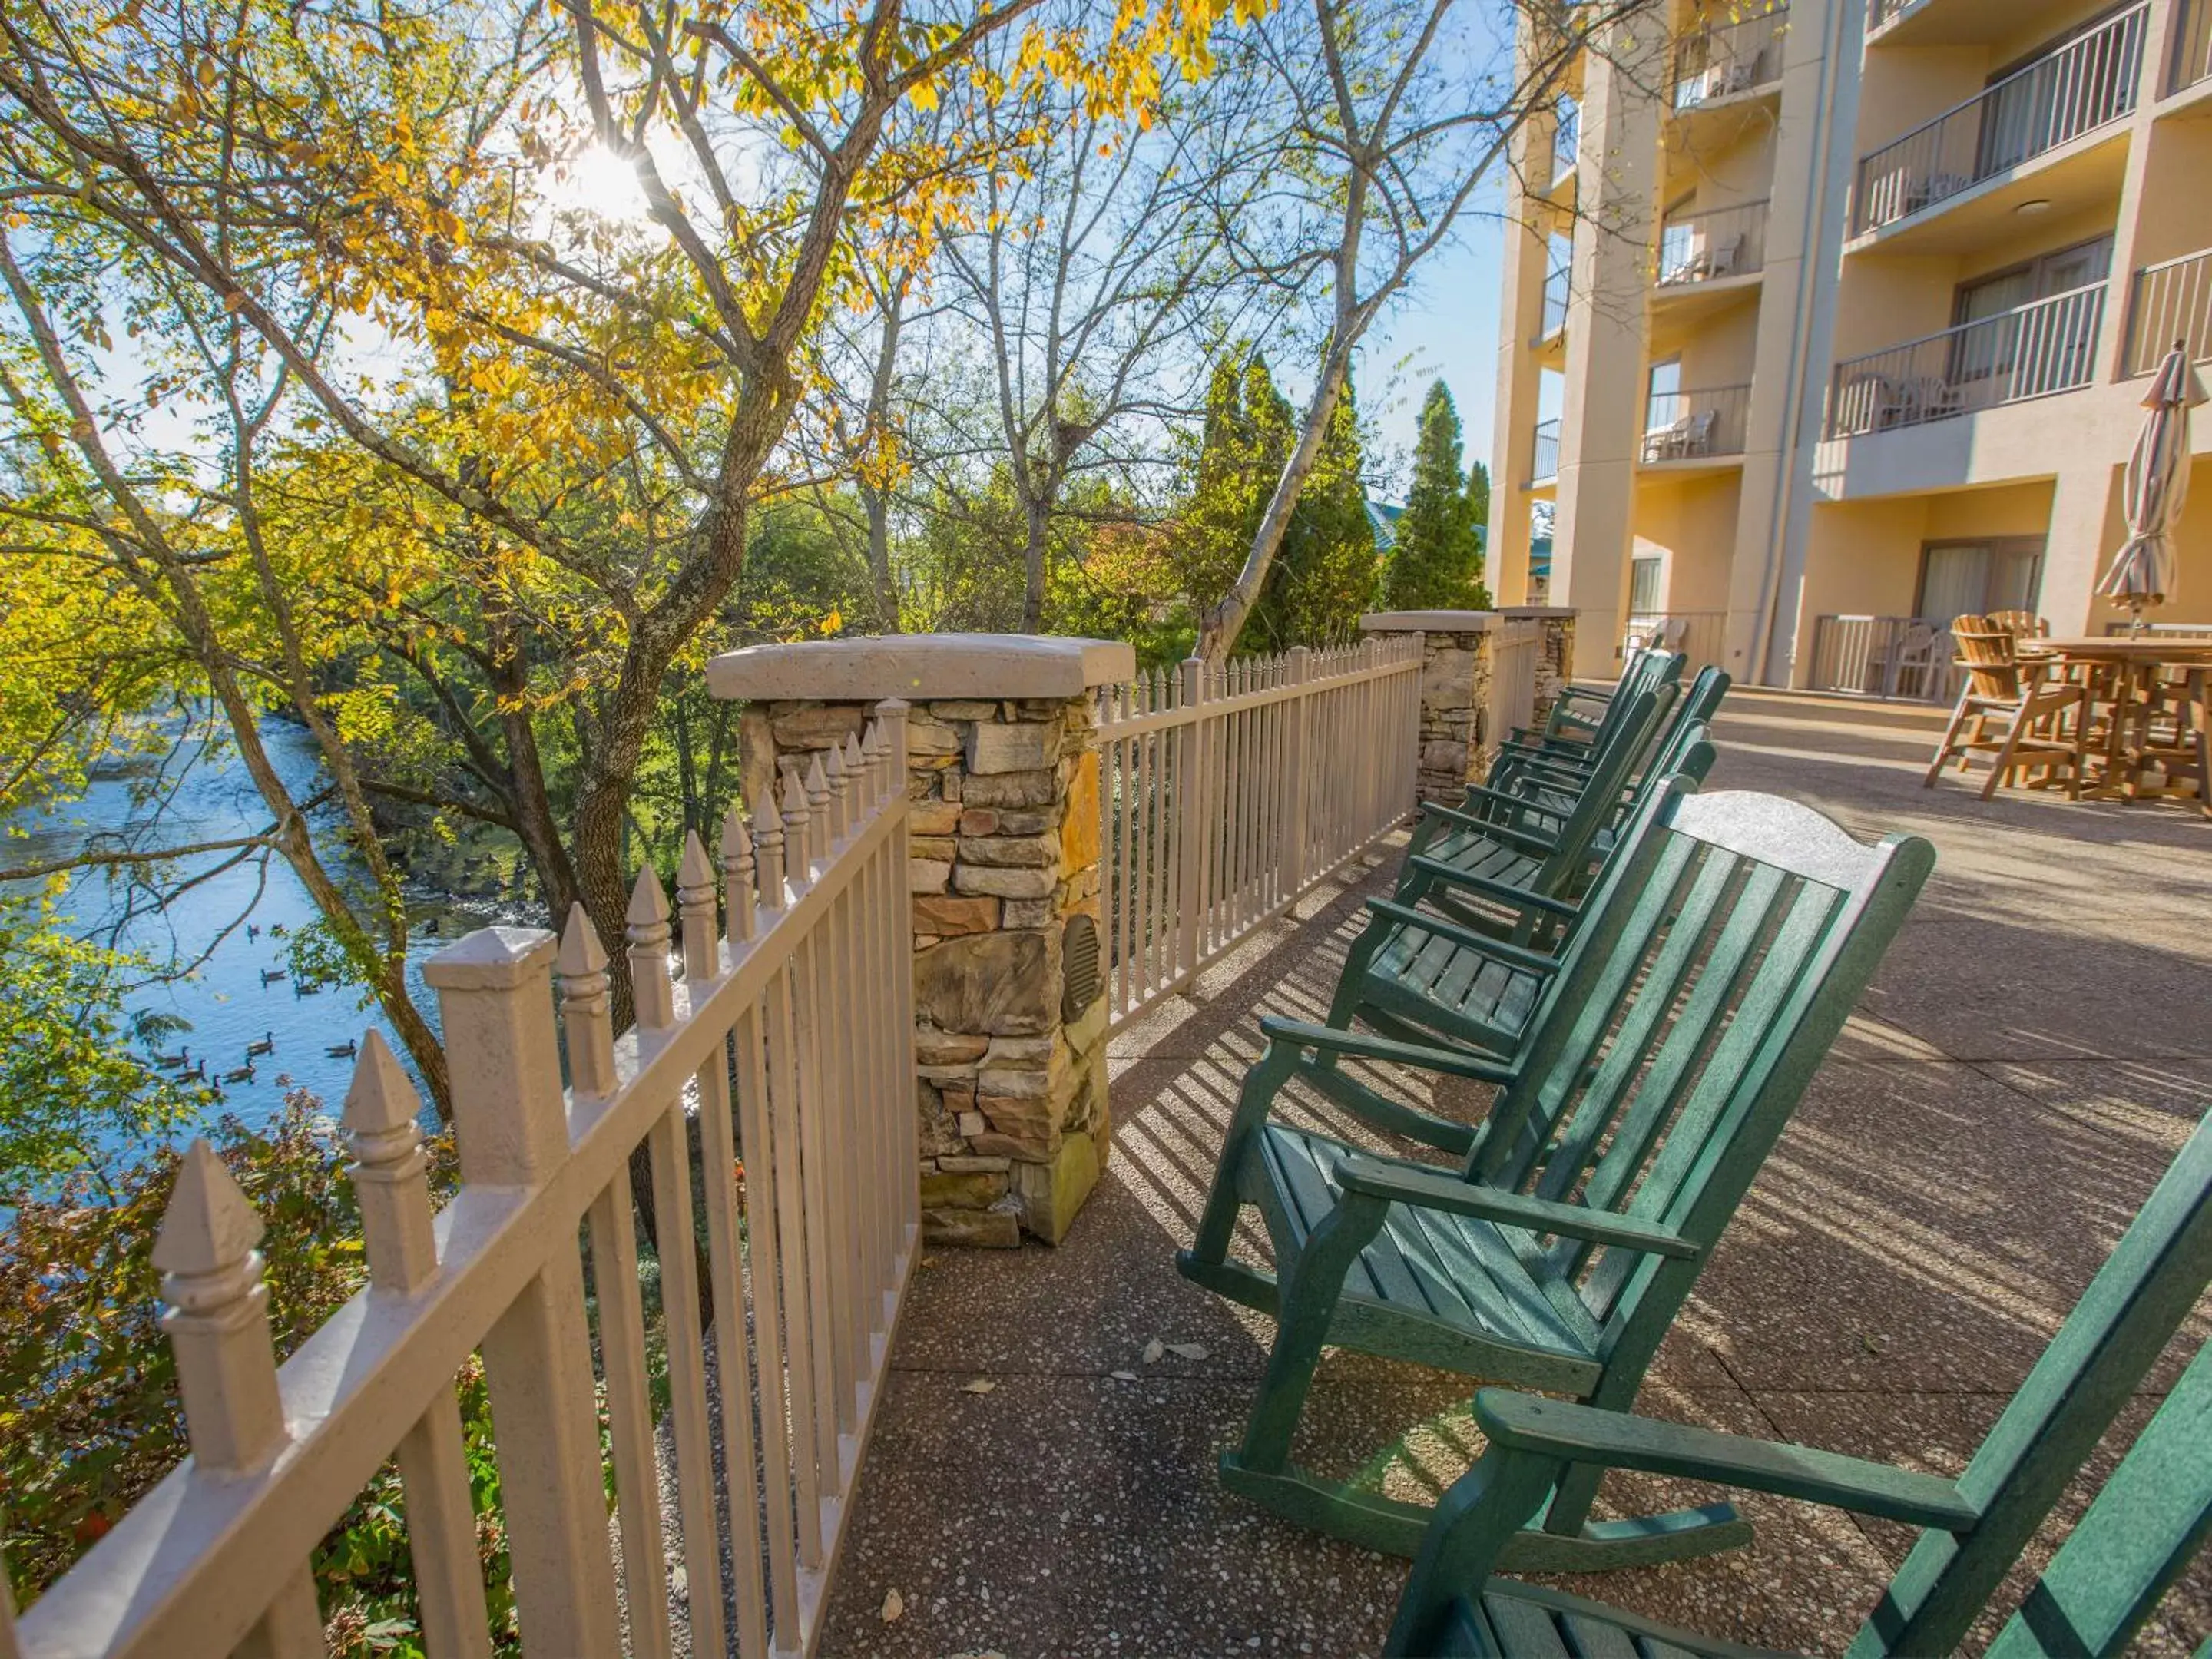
[[2142, 572]]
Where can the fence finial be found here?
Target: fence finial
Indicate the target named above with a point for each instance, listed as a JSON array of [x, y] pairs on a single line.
[[581, 967], [695, 902], [389, 1173], [825, 830], [647, 931], [857, 773], [768, 843], [798, 834], [738, 890], [218, 1317], [837, 794]]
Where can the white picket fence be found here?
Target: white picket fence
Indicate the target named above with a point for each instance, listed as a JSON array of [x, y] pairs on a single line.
[[1517, 646], [1226, 792], [790, 1041]]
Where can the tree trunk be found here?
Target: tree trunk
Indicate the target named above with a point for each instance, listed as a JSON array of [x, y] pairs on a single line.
[[1033, 557]]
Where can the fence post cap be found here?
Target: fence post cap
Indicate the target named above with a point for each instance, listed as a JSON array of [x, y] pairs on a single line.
[[379, 1099], [489, 959], [1428, 622], [921, 667], [581, 952], [208, 1227], [697, 870]]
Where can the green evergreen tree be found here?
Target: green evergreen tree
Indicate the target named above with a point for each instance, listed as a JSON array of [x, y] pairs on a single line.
[[1437, 562], [1324, 576]]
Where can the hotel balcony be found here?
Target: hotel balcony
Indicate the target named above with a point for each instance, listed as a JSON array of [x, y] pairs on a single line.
[[1544, 463], [1963, 22], [1734, 59], [1985, 151], [2031, 351], [1708, 261], [1694, 431], [2169, 301]]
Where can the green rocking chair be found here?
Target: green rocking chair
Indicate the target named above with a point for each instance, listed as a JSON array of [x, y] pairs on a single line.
[[2139, 1534], [1653, 1080]]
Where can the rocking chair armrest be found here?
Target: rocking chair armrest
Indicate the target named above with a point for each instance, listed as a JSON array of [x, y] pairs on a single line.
[[1520, 898], [1587, 1434], [1498, 950], [1436, 1189], [1297, 1034], [1527, 840]]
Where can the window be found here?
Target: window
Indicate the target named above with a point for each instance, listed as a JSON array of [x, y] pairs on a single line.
[[1663, 404], [2060, 342], [1644, 586], [1973, 578]]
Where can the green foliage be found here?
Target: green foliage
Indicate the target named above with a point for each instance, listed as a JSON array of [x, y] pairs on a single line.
[[75, 1071], [1437, 562], [1323, 576]]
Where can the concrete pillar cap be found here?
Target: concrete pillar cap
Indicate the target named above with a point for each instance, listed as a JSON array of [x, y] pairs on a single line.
[[1428, 622], [919, 667]]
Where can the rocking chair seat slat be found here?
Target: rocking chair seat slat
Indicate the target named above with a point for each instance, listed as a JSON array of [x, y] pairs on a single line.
[[1441, 982], [1457, 1269]]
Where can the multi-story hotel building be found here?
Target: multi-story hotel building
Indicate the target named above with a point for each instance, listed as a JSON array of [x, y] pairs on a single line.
[[1825, 323]]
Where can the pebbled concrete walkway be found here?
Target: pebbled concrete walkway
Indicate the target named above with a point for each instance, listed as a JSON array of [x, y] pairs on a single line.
[[2035, 1047]]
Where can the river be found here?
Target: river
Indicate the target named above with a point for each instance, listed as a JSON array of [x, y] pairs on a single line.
[[229, 1001]]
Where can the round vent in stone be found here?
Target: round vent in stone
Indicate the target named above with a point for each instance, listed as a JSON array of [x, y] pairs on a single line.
[[1079, 967]]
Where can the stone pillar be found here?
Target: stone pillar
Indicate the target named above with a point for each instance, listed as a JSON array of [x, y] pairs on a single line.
[[1455, 662], [1010, 1006], [1555, 655]]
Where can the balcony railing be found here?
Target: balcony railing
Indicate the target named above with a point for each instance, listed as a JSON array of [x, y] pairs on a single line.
[[1698, 634], [1907, 656], [1555, 303], [2083, 85], [1545, 464], [2170, 302], [1722, 59], [2192, 52], [1882, 11], [2030, 352], [1566, 136], [1704, 247], [1685, 426]]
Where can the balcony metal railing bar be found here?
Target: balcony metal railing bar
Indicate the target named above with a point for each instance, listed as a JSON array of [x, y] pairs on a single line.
[[1685, 426], [1723, 60], [2168, 302], [1906, 657], [1705, 247], [2192, 52], [1555, 303], [1545, 464], [2085, 84], [1566, 138], [2030, 352]]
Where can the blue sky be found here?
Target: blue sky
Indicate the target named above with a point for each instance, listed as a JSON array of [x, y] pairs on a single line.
[[1447, 326]]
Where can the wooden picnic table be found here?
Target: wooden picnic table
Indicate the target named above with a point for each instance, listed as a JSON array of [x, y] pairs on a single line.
[[2123, 672]]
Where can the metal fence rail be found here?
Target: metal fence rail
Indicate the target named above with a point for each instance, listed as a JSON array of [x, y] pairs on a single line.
[[1907, 656], [2086, 84], [1704, 247], [2168, 302], [2030, 352], [789, 1042], [1225, 792]]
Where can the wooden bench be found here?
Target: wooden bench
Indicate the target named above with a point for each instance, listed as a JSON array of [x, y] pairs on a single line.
[[2147, 1522], [1653, 1077]]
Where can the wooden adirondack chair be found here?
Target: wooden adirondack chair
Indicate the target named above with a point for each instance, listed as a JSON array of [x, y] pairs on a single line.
[[1650, 1084], [2043, 720], [2151, 1517], [1536, 830]]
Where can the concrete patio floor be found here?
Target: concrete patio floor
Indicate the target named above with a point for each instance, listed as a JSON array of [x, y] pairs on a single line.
[[2037, 1047]]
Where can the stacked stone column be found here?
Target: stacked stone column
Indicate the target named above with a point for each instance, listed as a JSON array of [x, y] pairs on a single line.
[[1003, 820], [1555, 655]]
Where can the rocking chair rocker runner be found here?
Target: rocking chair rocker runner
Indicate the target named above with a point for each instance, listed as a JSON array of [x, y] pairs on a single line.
[[2139, 1534], [1658, 1071]]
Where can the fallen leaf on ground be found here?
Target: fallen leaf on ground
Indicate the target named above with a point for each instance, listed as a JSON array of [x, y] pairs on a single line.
[[980, 1385], [929, 1261], [1122, 1376], [893, 1605], [1188, 1350], [1153, 1350]]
